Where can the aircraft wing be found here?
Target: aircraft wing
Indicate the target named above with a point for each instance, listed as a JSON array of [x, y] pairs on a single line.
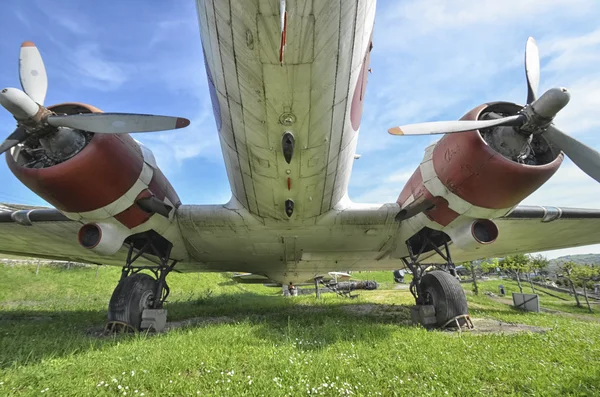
[[529, 229], [50, 235]]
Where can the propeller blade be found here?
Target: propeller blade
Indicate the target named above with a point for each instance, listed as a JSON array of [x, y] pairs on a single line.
[[18, 136], [586, 158], [118, 123], [449, 127], [532, 69], [18, 103], [32, 72]]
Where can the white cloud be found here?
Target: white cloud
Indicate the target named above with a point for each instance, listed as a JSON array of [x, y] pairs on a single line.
[[96, 71], [199, 139], [66, 16], [380, 187], [476, 19], [569, 187]]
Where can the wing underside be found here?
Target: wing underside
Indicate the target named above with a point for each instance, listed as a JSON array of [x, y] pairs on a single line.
[[533, 229], [526, 229], [38, 232]]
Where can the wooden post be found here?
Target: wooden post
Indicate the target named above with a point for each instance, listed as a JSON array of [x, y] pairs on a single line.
[[575, 293], [530, 283], [475, 289], [38, 267], [97, 268], [519, 281], [317, 291], [586, 297]]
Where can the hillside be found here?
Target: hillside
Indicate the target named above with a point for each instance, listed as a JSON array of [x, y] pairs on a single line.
[[588, 259]]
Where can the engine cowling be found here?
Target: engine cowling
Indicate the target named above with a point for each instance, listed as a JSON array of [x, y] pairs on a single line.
[[100, 182], [479, 174]]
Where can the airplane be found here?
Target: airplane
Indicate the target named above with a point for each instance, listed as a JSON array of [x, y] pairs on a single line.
[[287, 80]]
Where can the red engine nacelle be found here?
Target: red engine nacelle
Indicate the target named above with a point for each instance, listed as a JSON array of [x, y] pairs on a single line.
[[100, 176], [466, 174]]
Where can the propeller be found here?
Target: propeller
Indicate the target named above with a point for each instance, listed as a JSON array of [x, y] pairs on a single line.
[[32, 72], [532, 69], [33, 119], [535, 118]]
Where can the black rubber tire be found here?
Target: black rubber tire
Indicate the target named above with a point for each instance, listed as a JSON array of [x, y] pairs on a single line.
[[444, 292], [132, 295]]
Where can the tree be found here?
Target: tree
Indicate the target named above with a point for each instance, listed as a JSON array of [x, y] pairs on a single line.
[[515, 265], [489, 265], [470, 266], [567, 269], [582, 274], [539, 264]]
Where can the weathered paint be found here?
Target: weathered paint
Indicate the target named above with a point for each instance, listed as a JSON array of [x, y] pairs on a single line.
[[97, 176], [472, 179], [310, 95], [473, 171], [358, 98], [415, 189], [134, 215], [102, 174]]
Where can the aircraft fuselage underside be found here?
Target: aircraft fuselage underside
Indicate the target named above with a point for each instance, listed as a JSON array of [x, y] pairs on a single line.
[[219, 238]]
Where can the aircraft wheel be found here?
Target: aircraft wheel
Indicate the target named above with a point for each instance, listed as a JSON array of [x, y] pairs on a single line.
[[132, 295], [444, 292]]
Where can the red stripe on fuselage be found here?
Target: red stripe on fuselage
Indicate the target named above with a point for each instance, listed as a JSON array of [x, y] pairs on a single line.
[[282, 41]]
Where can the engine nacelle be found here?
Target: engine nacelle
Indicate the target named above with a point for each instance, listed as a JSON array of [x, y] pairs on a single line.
[[101, 179], [480, 174]]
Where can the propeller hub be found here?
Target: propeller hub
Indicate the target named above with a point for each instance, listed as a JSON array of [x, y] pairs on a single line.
[[539, 114], [19, 104], [551, 102]]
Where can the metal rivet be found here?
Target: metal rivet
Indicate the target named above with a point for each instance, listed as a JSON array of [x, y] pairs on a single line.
[[287, 119]]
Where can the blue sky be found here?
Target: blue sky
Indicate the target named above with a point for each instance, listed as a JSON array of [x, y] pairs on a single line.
[[432, 60]]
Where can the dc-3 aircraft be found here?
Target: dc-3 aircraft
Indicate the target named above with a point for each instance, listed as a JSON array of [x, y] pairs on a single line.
[[287, 79]]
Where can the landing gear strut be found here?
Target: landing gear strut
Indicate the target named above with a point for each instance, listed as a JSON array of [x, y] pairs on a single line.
[[439, 288], [137, 301]]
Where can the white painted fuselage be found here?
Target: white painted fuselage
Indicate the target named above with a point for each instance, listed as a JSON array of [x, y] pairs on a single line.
[[312, 93], [314, 88]]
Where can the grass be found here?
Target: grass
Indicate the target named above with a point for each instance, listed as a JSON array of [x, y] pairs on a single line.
[[249, 341]]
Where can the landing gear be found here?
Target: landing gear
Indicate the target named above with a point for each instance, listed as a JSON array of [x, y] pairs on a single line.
[[131, 297], [438, 288], [137, 301], [444, 292]]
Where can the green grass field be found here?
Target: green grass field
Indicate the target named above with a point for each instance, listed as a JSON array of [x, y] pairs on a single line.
[[246, 340]]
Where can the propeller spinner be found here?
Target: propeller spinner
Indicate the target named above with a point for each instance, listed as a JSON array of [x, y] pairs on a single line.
[[33, 119], [535, 118]]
